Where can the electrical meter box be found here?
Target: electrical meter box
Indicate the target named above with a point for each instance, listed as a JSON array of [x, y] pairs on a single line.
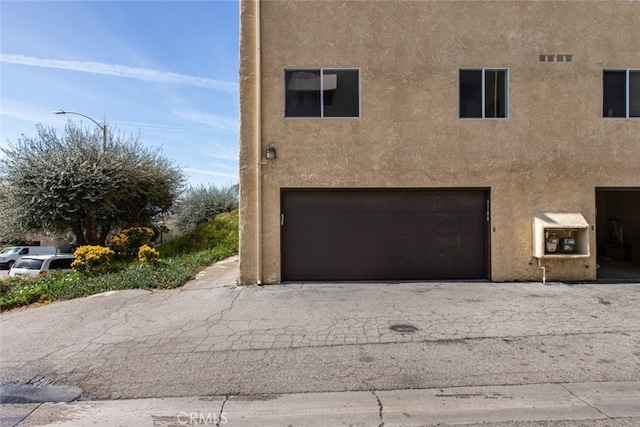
[[560, 235]]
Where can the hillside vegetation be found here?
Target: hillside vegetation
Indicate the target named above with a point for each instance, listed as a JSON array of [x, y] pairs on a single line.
[[182, 258]]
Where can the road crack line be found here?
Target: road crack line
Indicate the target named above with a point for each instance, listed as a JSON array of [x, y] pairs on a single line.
[[222, 414], [585, 402], [380, 408]]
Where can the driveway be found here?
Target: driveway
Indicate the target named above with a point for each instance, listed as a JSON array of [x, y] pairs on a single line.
[[213, 338]]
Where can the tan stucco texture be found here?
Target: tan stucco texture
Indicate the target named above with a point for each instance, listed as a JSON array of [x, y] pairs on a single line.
[[550, 154]]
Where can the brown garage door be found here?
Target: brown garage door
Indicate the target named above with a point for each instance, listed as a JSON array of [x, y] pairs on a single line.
[[384, 234]]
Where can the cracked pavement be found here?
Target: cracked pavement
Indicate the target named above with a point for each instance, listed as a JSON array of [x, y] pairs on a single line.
[[213, 338]]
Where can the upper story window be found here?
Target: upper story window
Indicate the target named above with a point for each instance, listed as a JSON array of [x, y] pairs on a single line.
[[325, 92], [621, 93], [483, 93]]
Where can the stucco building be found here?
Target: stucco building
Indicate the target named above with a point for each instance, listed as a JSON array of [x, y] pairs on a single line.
[[433, 140]]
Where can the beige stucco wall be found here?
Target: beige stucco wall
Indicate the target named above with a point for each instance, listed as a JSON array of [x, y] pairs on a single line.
[[549, 155], [249, 137]]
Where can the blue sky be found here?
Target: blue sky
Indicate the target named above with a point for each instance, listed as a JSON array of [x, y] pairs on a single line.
[[166, 70]]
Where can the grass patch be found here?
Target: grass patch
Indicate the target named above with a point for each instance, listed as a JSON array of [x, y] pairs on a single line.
[[220, 234], [182, 259]]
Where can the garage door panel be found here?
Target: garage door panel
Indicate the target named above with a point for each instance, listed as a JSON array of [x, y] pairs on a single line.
[[384, 235]]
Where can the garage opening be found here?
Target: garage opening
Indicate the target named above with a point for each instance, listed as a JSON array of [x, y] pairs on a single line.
[[384, 234], [618, 233]]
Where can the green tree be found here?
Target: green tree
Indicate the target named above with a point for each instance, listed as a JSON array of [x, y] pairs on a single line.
[[199, 204], [75, 183]]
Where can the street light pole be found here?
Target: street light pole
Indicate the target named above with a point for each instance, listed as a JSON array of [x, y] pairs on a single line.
[[103, 127]]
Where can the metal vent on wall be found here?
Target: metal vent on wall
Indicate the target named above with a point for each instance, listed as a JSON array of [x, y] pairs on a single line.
[[555, 57]]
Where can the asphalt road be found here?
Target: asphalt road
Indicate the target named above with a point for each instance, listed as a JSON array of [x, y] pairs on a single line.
[[213, 338]]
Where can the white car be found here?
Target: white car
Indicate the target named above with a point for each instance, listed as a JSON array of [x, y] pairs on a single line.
[[40, 265], [11, 254]]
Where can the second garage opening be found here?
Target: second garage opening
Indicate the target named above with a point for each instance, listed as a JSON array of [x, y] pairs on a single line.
[[384, 234]]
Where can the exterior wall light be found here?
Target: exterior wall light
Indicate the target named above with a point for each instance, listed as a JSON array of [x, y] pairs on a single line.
[[271, 153]]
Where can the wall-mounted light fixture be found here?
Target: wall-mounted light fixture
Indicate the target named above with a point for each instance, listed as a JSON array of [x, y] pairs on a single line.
[[271, 153]]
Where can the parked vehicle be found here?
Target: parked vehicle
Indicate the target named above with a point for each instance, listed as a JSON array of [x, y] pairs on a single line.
[[9, 255], [40, 265]]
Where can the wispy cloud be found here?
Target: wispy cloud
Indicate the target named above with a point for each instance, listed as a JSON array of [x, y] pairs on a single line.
[[229, 167], [123, 71], [29, 112], [210, 172], [163, 128], [214, 120]]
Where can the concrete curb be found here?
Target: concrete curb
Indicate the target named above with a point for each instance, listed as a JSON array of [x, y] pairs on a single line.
[[580, 402]]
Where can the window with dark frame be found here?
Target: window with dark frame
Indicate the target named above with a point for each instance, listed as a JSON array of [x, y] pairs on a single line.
[[323, 93], [483, 93], [621, 93]]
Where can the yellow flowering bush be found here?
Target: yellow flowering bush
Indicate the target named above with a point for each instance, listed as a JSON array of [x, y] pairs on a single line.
[[119, 242], [127, 242], [92, 259], [148, 255]]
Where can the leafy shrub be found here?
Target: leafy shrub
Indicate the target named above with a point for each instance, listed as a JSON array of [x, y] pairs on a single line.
[[200, 204], [148, 255], [20, 291], [127, 243], [92, 259], [218, 237], [220, 233], [25, 290]]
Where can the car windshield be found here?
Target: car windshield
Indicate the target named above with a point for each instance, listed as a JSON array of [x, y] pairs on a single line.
[[9, 251], [29, 264]]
